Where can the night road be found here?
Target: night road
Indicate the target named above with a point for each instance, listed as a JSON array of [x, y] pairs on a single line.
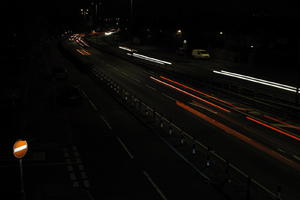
[[150, 100]]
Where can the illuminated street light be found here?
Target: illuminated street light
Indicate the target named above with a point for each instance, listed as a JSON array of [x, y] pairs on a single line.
[[179, 31], [221, 33]]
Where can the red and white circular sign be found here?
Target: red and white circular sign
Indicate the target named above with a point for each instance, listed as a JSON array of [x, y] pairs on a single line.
[[20, 148]]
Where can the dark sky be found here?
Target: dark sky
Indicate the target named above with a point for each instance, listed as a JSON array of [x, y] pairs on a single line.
[[35, 14]]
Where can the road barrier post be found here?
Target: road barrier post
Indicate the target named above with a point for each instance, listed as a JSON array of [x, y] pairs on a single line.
[[279, 192], [207, 163], [194, 151], [181, 139]]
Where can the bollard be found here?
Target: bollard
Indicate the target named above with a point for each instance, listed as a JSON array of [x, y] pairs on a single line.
[[227, 180], [181, 140], [194, 149], [248, 188], [161, 124], [207, 164], [170, 131], [279, 192]]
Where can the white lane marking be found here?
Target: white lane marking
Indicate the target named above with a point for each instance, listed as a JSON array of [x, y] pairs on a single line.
[[96, 109], [296, 157], [136, 80], [152, 88], [154, 185], [116, 69], [124, 147], [106, 122], [169, 97], [20, 148], [280, 150], [125, 74], [89, 100]]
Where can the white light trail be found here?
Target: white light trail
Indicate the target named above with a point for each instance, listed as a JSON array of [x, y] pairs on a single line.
[[260, 81], [151, 59]]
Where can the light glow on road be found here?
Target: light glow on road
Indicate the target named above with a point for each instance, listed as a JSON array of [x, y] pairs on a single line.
[[275, 129], [83, 52], [189, 94], [260, 81], [150, 59], [197, 91], [127, 49], [240, 136], [281, 122]]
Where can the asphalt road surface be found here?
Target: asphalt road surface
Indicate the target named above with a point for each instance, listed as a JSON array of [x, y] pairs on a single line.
[[267, 155]]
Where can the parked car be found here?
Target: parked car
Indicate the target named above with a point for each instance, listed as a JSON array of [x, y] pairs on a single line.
[[200, 53]]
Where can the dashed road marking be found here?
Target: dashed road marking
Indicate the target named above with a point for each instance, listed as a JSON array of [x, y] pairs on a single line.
[[168, 97], [280, 150], [152, 88], [154, 185], [106, 122], [89, 100], [124, 147], [296, 157]]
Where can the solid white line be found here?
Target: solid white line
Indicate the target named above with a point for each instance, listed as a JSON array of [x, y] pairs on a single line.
[[20, 148], [124, 147], [152, 88], [169, 97], [154, 185]]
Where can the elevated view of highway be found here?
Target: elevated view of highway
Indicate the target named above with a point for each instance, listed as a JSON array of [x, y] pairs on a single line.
[[151, 100]]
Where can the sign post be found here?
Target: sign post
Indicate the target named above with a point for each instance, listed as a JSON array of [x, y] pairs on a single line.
[[19, 150]]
